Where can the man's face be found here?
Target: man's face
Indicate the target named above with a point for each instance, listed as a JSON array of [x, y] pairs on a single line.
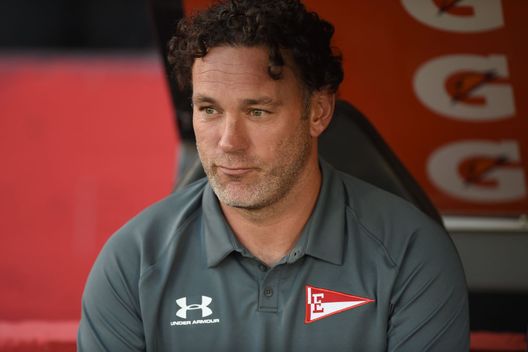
[[252, 136]]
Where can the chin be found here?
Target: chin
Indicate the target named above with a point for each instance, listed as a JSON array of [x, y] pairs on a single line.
[[242, 199], [238, 202]]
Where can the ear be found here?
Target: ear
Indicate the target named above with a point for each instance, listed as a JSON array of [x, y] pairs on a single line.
[[321, 112]]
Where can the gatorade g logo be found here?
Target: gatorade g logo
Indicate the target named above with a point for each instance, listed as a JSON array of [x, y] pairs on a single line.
[[467, 16], [479, 170], [182, 302], [466, 87]]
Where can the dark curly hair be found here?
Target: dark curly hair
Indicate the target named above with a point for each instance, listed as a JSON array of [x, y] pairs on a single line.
[[279, 25]]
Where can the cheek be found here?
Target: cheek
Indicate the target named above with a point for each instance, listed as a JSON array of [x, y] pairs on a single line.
[[265, 140], [204, 134], [277, 141]]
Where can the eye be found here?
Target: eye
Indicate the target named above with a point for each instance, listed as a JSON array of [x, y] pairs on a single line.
[[209, 110], [257, 112]]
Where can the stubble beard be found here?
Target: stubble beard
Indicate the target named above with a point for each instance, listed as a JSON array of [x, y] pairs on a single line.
[[271, 183]]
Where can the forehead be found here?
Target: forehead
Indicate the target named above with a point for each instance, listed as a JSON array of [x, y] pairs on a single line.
[[229, 68]]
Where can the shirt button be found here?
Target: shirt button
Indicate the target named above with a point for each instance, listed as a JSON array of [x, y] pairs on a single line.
[[263, 268], [268, 292]]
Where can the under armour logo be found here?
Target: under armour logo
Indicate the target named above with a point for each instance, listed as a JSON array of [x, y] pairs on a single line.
[[182, 302]]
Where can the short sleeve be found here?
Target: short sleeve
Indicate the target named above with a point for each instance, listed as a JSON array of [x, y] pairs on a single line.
[[111, 319], [429, 306]]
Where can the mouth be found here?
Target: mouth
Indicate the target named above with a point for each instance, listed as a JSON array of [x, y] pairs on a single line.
[[234, 171]]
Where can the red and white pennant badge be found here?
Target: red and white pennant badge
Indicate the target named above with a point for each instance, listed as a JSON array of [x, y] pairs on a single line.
[[321, 303]]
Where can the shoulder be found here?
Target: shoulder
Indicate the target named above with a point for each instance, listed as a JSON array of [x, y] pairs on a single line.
[[112, 292], [389, 220], [143, 239]]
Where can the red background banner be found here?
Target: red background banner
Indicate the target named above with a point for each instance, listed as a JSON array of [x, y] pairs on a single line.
[[87, 142]]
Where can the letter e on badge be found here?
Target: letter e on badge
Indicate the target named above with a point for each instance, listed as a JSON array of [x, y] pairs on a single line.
[[322, 303]]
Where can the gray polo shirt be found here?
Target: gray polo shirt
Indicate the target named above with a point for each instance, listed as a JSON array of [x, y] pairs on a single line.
[[369, 273]]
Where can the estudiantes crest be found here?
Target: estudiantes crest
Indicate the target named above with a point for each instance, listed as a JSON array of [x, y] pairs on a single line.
[[321, 303]]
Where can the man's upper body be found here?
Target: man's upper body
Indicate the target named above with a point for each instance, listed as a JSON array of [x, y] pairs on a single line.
[[276, 251], [369, 273]]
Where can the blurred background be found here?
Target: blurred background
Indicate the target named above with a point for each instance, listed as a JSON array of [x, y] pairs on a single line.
[[92, 129]]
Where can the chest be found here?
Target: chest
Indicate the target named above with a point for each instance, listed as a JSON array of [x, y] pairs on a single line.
[[309, 305]]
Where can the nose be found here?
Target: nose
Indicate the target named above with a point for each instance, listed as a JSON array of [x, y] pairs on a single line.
[[234, 137]]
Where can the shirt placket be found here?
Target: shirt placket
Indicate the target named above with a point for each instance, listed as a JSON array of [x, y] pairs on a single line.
[[269, 289]]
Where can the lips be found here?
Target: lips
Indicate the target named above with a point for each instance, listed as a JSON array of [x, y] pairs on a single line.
[[234, 171]]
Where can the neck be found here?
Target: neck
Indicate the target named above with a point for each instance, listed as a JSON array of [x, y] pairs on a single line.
[[271, 232]]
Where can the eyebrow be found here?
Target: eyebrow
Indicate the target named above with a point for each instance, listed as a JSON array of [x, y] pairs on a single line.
[[266, 101], [202, 99], [260, 101]]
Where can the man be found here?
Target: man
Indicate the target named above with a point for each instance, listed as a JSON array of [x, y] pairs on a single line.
[[276, 250]]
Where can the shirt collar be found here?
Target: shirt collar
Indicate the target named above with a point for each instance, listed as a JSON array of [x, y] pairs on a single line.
[[325, 230], [218, 237], [323, 235]]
